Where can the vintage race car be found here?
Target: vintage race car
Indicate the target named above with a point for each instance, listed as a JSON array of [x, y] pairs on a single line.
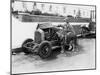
[[46, 38]]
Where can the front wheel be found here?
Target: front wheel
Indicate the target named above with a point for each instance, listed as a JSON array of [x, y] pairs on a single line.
[[45, 49], [25, 50]]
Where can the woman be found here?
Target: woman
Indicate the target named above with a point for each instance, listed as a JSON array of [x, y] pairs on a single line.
[[67, 36]]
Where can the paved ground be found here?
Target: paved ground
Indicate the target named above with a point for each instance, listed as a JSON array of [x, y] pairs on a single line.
[[82, 58]]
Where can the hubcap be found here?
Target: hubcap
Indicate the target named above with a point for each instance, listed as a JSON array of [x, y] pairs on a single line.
[[45, 50]]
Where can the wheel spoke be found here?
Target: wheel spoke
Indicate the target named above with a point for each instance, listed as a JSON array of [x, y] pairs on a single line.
[[45, 50]]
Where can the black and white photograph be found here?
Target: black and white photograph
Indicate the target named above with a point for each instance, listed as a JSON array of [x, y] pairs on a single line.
[[52, 37]]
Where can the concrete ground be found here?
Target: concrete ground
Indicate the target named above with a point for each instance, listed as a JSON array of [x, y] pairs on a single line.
[[81, 58]]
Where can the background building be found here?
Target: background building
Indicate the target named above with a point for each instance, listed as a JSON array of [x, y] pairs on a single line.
[[60, 9]]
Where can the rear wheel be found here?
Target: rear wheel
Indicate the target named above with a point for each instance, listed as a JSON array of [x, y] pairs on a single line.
[[25, 50], [45, 50], [70, 46]]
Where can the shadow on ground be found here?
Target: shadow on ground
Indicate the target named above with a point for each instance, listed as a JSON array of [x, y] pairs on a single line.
[[55, 53]]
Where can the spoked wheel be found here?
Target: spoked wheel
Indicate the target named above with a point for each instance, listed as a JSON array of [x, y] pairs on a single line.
[[25, 50], [70, 46], [45, 50]]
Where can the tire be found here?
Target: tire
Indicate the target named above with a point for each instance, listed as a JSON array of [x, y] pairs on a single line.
[[25, 50], [45, 50], [69, 47]]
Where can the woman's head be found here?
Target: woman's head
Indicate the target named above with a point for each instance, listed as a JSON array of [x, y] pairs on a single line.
[[66, 20]]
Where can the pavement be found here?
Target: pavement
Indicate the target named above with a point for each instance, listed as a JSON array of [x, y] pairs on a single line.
[[82, 58]]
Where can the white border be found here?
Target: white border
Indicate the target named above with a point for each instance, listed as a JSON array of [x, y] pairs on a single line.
[[5, 36]]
